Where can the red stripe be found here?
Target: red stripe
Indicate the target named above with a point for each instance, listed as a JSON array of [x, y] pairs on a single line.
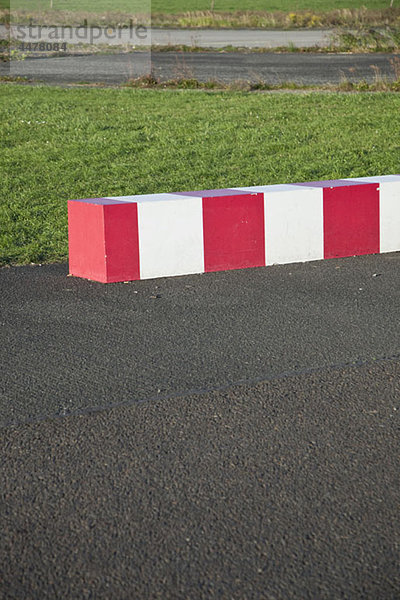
[[351, 220], [233, 232], [122, 242]]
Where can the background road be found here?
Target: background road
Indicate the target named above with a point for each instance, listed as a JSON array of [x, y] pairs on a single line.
[[205, 38], [247, 444], [310, 69]]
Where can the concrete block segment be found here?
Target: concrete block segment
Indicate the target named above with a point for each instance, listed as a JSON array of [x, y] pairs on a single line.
[[171, 237], [295, 215], [351, 217], [389, 200], [103, 240], [157, 235]]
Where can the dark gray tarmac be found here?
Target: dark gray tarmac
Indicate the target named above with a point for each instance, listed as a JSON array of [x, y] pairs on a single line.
[[273, 68], [70, 345], [229, 435]]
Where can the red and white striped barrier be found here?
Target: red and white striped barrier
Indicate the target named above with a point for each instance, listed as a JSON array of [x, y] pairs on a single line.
[[157, 235]]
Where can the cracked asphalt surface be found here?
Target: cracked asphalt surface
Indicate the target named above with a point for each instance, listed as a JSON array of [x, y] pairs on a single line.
[[229, 435]]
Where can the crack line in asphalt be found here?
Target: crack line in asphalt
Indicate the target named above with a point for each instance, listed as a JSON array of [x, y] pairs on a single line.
[[200, 391]]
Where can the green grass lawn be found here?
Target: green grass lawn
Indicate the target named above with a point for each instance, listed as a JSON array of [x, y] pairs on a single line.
[[180, 6], [270, 14], [58, 144]]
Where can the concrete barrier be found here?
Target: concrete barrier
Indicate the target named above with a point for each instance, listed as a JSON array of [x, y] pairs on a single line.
[[157, 235]]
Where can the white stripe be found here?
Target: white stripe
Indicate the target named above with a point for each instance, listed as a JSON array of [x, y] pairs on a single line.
[[171, 237], [389, 216], [389, 210], [294, 225]]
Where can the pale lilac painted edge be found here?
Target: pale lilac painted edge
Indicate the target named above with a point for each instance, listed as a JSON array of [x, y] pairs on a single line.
[[213, 193], [99, 201], [331, 183]]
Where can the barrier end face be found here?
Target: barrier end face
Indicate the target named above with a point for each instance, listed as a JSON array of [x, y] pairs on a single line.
[[86, 241], [95, 278]]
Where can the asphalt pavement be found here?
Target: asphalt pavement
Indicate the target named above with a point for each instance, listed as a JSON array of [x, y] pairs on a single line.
[[76, 344], [228, 435], [308, 69], [144, 36]]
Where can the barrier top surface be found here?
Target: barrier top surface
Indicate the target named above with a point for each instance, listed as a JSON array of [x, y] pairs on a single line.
[[240, 191], [149, 197], [213, 193], [377, 179], [269, 189], [331, 183], [99, 201]]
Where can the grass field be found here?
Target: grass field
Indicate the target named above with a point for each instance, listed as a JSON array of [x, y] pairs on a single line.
[[76, 143], [271, 14], [180, 6]]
